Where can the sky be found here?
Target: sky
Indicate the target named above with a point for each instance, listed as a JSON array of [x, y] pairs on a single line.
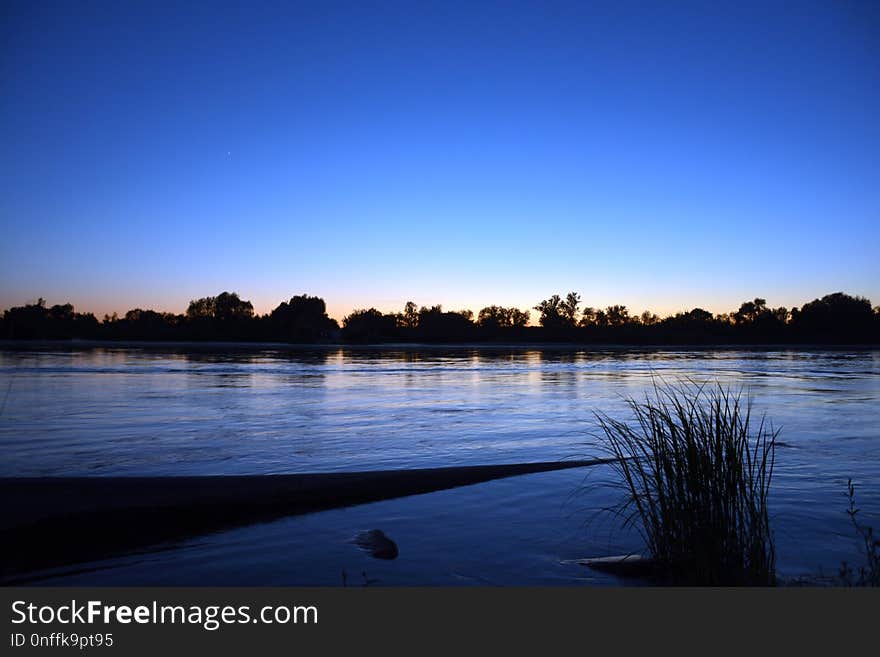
[[660, 155]]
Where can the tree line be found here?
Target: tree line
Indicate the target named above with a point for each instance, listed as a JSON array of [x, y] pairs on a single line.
[[836, 318]]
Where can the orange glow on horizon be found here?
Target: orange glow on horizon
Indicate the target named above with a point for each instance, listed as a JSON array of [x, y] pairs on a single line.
[[340, 309]]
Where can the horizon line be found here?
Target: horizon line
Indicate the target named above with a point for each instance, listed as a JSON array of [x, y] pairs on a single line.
[[384, 307]]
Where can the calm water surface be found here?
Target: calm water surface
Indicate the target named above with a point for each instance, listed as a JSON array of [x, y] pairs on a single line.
[[131, 411]]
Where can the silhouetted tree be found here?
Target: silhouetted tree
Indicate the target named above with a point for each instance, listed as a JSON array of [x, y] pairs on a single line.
[[781, 315], [368, 325], [493, 318], [434, 324], [302, 319], [552, 313], [36, 321], [617, 315], [518, 318], [140, 324], [59, 313], [750, 311], [229, 307], [700, 316], [203, 308], [590, 317], [696, 326], [648, 318], [840, 315], [835, 318], [410, 315], [569, 308], [225, 316]]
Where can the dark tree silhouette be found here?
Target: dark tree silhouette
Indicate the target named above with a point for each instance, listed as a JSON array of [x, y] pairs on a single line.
[[38, 322], [140, 324], [493, 318], [410, 315], [551, 312], [368, 326], [836, 318], [617, 315], [839, 315], [434, 324], [225, 316], [591, 317], [749, 311], [302, 319], [203, 308], [569, 308], [228, 307], [700, 316], [647, 318]]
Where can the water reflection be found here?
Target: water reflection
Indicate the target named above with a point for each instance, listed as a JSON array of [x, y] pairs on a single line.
[[170, 411], [181, 410]]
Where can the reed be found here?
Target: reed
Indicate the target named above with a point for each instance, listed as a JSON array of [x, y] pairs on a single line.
[[869, 573], [697, 475]]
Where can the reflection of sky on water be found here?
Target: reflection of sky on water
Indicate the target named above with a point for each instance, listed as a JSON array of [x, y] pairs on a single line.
[[157, 412], [164, 412]]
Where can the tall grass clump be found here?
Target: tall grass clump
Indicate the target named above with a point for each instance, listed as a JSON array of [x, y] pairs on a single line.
[[697, 475]]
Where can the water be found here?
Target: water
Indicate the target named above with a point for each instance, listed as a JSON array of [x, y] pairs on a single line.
[[165, 411]]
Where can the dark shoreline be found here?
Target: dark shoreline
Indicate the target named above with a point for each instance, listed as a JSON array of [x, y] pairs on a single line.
[[214, 345], [57, 521]]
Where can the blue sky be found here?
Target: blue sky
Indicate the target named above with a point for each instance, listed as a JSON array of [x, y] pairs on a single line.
[[663, 156]]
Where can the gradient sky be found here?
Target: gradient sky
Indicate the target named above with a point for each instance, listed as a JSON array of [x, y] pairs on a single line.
[[463, 153]]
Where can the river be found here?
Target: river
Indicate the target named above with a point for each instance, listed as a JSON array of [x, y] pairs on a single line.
[[186, 410]]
